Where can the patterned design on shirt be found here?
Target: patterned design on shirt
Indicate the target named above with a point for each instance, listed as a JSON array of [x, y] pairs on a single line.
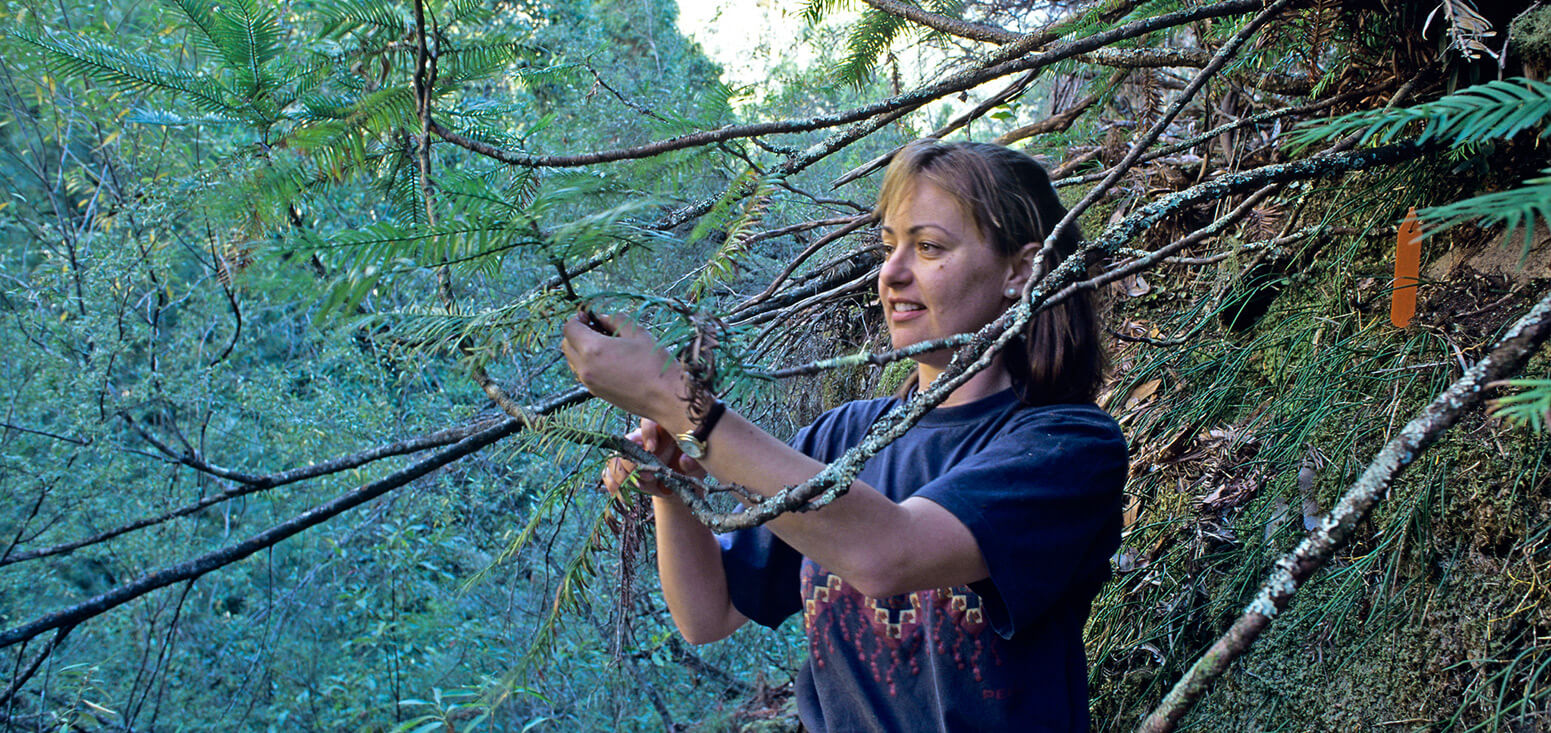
[[891, 637]]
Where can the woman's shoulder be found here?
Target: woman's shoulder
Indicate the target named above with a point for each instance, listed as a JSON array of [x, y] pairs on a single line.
[[1083, 420], [861, 413], [840, 427]]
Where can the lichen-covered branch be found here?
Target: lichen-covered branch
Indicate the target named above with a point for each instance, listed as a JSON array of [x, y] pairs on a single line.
[[945, 24], [1338, 527]]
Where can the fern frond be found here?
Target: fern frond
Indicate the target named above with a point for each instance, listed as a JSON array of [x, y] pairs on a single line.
[[1495, 109], [1511, 209]]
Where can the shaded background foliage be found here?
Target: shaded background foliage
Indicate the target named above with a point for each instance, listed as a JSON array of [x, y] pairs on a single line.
[[231, 250]]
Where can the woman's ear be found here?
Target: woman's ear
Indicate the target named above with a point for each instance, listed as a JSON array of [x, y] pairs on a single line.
[[1022, 268]]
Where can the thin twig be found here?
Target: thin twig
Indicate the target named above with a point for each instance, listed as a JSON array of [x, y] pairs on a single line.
[[32, 668]]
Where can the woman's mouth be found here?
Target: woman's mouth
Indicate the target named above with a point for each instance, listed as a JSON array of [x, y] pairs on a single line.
[[905, 311]]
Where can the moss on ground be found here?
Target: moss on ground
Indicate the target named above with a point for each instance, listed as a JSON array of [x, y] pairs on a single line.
[[1436, 616]]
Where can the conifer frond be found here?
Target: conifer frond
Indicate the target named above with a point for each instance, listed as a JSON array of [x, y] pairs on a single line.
[[131, 71], [723, 264], [344, 16], [468, 63], [1511, 209], [468, 11], [1531, 408], [200, 14], [722, 211], [575, 580], [869, 39], [339, 119], [813, 11], [1495, 109], [168, 118], [246, 35]]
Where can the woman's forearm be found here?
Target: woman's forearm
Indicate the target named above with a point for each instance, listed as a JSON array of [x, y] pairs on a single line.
[[881, 547], [689, 563]]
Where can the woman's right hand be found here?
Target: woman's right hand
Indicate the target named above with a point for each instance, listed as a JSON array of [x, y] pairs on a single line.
[[660, 443]]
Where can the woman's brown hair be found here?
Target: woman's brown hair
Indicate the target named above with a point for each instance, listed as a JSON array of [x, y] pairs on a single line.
[[1058, 358]]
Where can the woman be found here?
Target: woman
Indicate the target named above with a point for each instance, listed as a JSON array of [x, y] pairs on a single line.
[[947, 590]]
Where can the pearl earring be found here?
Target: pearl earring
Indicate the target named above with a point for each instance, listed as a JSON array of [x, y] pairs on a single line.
[[1011, 293]]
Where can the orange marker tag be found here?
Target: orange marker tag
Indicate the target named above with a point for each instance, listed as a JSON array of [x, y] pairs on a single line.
[[1408, 264]]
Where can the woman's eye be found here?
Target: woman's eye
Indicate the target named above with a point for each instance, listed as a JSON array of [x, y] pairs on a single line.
[[928, 246]]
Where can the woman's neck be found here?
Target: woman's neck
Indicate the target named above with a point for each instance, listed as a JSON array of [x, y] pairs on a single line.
[[986, 382]]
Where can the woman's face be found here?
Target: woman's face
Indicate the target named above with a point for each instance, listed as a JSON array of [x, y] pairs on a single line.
[[941, 277]]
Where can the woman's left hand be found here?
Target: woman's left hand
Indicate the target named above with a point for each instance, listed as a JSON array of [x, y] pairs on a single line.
[[627, 369]]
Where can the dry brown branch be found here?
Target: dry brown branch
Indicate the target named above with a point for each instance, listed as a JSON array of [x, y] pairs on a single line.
[[1054, 123], [1226, 52], [1008, 93]]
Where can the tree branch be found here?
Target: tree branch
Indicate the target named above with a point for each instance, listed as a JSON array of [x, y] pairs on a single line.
[[1224, 128], [214, 560], [22, 675], [1220, 58], [1338, 527], [945, 24], [1011, 58]]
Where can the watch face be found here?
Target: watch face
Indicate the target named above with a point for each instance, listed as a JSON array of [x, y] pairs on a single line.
[[691, 447]]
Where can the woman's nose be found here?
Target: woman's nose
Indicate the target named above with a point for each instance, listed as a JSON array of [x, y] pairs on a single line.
[[896, 267]]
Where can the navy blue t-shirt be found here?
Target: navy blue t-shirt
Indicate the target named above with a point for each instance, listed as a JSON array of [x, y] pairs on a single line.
[[1040, 489]]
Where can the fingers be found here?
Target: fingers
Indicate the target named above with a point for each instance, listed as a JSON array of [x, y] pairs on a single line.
[[618, 471], [689, 466], [648, 435]]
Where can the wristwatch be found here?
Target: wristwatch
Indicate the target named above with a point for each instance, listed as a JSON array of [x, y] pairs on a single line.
[[693, 443]]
